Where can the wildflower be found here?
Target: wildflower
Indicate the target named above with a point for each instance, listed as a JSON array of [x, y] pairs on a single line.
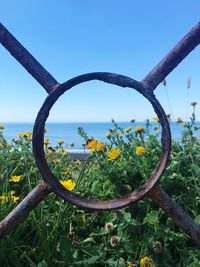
[[179, 120], [60, 142], [109, 227], [108, 134], [140, 150], [114, 241], [45, 130], [146, 262], [68, 184], [46, 142], [92, 144], [100, 146], [128, 187], [62, 152], [20, 135], [3, 198], [139, 129], [127, 129], [14, 198], [16, 141], [156, 119], [2, 127], [157, 246], [119, 134], [78, 162], [56, 160], [132, 121], [113, 154], [193, 104], [28, 134], [15, 179], [12, 192], [48, 154]]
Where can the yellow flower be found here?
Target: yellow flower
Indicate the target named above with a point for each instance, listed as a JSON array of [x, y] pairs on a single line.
[[108, 134], [11, 193], [100, 146], [46, 142], [146, 262], [119, 134], [2, 127], [62, 152], [92, 144], [140, 150], [14, 198], [139, 129], [8, 198], [113, 154], [78, 162], [20, 135], [4, 198], [28, 134], [60, 142], [15, 179], [56, 160], [179, 120], [68, 184], [127, 129], [156, 119]]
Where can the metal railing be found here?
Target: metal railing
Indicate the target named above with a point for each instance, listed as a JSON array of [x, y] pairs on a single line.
[[146, 87]]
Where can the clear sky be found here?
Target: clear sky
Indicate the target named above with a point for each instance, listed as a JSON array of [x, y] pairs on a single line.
[[73, 37]]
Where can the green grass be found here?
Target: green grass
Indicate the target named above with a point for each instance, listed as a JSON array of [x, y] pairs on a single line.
[[59, 234]]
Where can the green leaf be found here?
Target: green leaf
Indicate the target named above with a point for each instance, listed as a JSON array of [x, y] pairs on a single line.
[[42, 264], [197, 219], [152, 218]]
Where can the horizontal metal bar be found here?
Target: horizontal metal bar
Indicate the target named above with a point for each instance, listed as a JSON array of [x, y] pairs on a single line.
[[173, 58], [27, 60]]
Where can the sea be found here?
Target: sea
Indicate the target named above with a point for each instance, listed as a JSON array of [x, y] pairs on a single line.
[[68, 132]]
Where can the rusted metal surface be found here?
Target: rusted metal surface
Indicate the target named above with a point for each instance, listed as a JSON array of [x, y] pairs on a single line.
[[27, 60], [22, 210], [178, 215], [173, 58], [55, 90], [38, 142]]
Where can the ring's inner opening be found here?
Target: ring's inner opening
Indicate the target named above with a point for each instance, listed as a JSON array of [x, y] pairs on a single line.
[[102, 141]]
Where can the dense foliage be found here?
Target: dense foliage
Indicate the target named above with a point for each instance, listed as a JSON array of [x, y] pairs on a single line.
[[59, 234]]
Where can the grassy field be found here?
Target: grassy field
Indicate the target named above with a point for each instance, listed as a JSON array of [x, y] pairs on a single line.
[[59, 234]]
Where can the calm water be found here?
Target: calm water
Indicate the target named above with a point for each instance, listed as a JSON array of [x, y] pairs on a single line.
[[69, 131]]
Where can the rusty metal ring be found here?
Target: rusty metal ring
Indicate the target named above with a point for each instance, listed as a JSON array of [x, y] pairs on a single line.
[[38, 142]]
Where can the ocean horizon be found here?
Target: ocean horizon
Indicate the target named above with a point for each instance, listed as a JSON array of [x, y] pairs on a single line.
[[68, 131]]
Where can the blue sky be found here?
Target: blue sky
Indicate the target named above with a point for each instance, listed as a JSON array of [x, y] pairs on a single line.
[[73, 37]]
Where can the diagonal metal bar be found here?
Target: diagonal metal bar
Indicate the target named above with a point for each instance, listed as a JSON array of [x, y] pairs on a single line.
[[173, 210], [27, 60], [173, 58]]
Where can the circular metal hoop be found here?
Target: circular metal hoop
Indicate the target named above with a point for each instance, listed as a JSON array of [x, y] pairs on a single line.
[[38, 142]]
